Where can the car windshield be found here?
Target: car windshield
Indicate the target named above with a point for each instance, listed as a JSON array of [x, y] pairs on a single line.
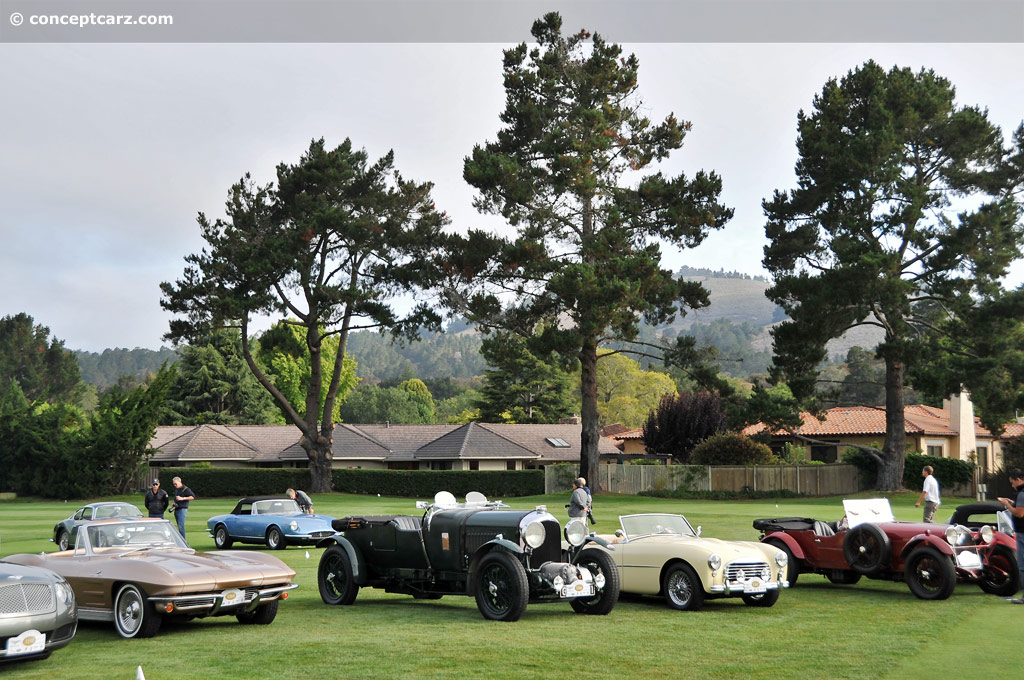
[[151, 534], [276, 507], [119, 510], [646, 525]]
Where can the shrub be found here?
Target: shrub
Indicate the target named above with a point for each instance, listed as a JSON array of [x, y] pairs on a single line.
[[731, 449], [948, 471], [720, 495], [794, 454], [423, 484]]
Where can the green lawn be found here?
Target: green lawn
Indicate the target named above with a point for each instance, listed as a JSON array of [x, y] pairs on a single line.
[[817, 630]]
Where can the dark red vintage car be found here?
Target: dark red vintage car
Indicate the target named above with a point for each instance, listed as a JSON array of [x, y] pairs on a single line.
[[931, 558]]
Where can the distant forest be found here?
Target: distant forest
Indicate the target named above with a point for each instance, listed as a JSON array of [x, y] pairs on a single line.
[[736, 323]]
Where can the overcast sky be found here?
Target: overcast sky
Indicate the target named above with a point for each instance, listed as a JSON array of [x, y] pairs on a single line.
[[110, 150]]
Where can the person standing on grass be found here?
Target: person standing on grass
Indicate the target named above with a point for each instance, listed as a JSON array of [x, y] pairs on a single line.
[[1016, 509], [578, 501], [156, 500], [182, 497], [930, 494]]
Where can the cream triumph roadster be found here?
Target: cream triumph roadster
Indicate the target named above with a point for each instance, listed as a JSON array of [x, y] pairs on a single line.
[[661, 554]]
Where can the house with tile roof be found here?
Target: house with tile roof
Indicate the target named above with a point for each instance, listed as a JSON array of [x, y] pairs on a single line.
[[948, 432], [473, 446]]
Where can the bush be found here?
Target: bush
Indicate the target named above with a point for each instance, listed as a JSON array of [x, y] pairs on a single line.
[[865, 464], [794, 454], [423, 484], [948, 471], [731, 449], [749, 494]]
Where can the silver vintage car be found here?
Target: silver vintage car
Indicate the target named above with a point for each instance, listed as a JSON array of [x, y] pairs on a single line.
[[37, 612]]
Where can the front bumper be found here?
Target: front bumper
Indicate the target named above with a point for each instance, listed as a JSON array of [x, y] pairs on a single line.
[[229, 601], [58, 632]]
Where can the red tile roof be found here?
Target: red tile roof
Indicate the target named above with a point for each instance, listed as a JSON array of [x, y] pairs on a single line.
[[869, 421]]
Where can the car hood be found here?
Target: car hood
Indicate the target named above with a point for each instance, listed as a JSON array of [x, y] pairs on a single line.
[[19, 573], [728, 550], [220, 569]]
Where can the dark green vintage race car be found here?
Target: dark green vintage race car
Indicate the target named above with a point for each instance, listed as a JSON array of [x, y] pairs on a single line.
[[505, 558]]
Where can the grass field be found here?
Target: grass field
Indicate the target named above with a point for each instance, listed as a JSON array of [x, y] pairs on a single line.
[[872, 630]]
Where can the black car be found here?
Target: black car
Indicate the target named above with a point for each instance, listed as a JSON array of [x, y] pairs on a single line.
[[505, 558]]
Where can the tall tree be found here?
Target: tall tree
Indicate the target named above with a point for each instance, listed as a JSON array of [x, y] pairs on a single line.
[[283, 354], [329, 247], [682, 421], [626, 393], [521, 387], [41, 367], [570, 172], [903, 205], [213, 384]]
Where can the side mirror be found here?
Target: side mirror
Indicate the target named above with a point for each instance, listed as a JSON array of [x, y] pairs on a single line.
[[619, 533]]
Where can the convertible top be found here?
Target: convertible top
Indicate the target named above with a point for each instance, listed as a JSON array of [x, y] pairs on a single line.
[[253, 499], [784, 524]]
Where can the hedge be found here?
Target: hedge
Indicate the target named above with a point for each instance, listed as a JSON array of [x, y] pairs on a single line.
[[949, 471], [423, 484]]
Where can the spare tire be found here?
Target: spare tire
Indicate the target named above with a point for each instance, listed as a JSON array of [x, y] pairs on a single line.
[[867, 549]]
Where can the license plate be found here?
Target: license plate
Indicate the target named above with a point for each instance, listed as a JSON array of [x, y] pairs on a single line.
[[233, 597], [28, 642], [578, 589], [754, 587]]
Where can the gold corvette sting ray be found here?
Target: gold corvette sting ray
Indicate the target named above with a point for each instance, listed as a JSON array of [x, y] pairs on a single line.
[[137, 573]]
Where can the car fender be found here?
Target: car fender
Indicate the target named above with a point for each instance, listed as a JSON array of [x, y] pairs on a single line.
[[354, 556], [791, 543], [933, 540]]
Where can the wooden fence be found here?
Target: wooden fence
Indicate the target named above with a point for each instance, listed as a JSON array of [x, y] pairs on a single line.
[[811, 480]]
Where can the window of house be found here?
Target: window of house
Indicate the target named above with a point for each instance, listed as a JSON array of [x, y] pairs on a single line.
[[982, 452], [826, 453], [510, 465], [934, 450], [405, 465], [441, 465], [474, 465], [557, 442]]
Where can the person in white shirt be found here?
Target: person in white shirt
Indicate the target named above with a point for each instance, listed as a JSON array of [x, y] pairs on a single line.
[[930, 494]]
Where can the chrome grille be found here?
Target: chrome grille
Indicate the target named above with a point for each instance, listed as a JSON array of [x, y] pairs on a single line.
[[26, 598], [737, 572]]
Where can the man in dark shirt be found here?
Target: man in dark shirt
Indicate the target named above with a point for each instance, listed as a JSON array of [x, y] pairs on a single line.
[[156, 500], [304, 501], [182, 497], [1015, 506]]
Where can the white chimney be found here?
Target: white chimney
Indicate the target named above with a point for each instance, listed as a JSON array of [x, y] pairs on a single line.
[[961, 421]]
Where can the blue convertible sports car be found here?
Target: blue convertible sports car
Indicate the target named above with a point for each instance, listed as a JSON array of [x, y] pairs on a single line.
[[272, 520]]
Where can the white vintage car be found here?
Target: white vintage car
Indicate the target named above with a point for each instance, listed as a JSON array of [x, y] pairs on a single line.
[[661, 554]]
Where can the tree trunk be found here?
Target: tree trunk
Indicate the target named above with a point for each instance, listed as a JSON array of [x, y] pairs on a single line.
[[320, 455], [890, 471], [589, 437]]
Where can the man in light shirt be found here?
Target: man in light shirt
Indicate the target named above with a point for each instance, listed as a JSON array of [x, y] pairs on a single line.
[[930, 494]]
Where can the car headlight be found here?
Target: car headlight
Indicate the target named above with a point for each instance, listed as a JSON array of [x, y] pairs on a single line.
[[557, 583], [575, 532], [294, 526], [781, 558], [988, 534], [958, 535], [534, 534], [64, 593], [715, 561]]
